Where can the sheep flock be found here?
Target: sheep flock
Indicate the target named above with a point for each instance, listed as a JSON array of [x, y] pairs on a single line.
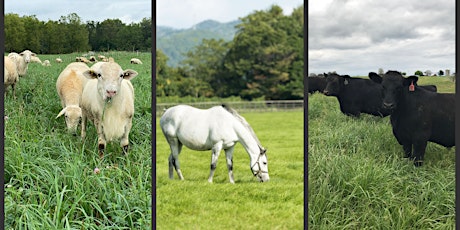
[[88, 88]]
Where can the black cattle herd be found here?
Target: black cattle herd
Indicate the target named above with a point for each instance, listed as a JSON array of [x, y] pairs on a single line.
[[418, 113]]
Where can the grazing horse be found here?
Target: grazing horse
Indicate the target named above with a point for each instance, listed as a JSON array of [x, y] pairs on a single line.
[[217, 128]]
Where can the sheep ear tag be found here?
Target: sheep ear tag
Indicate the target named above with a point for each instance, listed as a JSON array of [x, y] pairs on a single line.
[[345, 82], [411, 87]]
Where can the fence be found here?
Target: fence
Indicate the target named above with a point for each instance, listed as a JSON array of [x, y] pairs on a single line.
[[242, 106]]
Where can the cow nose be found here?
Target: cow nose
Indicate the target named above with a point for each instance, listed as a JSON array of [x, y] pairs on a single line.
[[388, 105]]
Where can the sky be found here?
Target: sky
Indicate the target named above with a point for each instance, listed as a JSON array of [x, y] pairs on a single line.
[[132, 11], [182, 14], [356, 37]]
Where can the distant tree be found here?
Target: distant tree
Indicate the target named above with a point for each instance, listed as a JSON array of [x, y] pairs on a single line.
[[418, 73], [15, 33], [381, 72]]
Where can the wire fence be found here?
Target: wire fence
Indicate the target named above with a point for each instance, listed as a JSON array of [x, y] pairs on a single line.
[[242, 106]]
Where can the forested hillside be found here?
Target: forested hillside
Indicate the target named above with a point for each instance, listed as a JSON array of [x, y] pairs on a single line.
[[176, 42], [69, 34], [263, 60]]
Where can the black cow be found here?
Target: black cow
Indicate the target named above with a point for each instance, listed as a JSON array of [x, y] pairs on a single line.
[[316, 84], [418, 115], [356, 95]]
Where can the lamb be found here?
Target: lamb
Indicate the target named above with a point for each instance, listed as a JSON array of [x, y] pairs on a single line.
[[46, 63], [69, 86], [108, 101], [11, 76], [58, 60], [135, 61], [92, 59], [82, 59], [22, 61], [35, 59], [101, 57]]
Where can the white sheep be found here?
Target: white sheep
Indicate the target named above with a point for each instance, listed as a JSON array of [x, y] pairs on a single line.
[[58, 60], [101, 57], [92, 59], [35, 59], [46, 63], [69, 86], [11, 76], [22, 61], [135, 61], [108, 101]]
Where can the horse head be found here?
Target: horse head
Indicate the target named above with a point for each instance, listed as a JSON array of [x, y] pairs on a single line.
[[260, 167]]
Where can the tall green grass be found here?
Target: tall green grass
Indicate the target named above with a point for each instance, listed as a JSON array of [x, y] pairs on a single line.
[[196, 204], [358, 178], [49, 178]]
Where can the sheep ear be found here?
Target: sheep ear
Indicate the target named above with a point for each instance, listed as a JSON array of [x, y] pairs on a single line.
[[60, 113], [129, 74], [90, 74]]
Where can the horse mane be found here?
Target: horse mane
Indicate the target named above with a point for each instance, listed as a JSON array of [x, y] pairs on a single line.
[[244, 123]]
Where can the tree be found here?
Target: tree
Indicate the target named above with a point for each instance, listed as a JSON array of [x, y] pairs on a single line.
[[418, 73], [15, 33]]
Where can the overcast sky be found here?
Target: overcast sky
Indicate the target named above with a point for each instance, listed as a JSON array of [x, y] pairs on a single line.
[[181, 14], [355, 37], [88, 10]]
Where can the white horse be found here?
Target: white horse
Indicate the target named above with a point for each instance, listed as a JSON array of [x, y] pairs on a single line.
[[217, 128]]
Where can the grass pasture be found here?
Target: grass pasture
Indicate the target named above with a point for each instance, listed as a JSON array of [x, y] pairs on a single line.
[[358, 178], [196, 204], [49, 179]]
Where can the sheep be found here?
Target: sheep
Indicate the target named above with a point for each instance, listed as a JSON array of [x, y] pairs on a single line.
[[69, 86], [135, 61], [82, 59], [101, 57], [58, 60], [108, 101], [35, 59], [92, 59], [22, 61], [46, 63], [11, 76]]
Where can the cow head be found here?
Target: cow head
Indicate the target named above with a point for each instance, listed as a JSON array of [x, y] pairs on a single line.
[[335, 83], [109, 76], [394, 85]]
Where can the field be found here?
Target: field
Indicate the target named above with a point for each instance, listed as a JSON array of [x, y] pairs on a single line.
[[49, 179], [358, 178], [196, 204]]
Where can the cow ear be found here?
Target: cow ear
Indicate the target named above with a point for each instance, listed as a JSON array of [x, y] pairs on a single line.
[[375, 77], [129, 74], [410, 80]]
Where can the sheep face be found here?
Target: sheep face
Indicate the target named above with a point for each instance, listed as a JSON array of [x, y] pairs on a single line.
[[27, 55], [72, 117], [109, 76]]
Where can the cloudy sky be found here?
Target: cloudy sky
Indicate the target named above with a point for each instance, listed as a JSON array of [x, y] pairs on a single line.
[[355, 37], [88, 10], [181, 14]]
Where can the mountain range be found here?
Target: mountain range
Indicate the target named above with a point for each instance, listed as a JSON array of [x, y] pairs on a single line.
[[176, 42]]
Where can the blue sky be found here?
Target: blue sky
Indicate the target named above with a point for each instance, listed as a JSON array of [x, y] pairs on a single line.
[[181, 14], [88, 10]]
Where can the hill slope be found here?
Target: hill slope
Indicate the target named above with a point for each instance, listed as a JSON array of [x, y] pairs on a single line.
[[176, 42]]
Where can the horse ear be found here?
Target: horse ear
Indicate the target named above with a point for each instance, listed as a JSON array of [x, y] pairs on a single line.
[[263, 151]]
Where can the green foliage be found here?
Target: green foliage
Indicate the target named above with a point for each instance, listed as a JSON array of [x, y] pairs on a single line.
[[49, 178], [265, 59], [358, 178], [418, 73], [196, 204], [69, 34]]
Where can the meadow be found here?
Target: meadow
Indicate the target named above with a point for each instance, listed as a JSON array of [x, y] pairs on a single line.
[[358, 178], [194, 203], [49, 178]]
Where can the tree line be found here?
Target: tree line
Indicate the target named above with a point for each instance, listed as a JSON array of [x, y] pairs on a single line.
[[264, 60], [69, 34]]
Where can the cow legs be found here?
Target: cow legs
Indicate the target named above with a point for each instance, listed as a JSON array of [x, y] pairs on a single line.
[[407, 150], [214, 156], [419, 152], [229, 157], [173, 159]]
